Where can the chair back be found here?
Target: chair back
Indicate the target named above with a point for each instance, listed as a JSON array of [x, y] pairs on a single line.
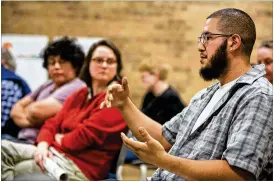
[[120, 160]]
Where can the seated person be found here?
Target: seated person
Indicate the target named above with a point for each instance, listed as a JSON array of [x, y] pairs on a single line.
[[86, 138], [63, 60], [13, 88], [161, 102], [265, 56]]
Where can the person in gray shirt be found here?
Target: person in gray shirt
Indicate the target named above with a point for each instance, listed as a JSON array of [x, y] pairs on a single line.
[[226, 131], [63, 59]]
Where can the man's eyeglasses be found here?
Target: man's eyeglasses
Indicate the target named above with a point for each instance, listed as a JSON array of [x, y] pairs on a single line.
[[100, 61], [205, 37]]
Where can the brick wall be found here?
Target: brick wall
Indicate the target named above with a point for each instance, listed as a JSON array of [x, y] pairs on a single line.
[[157, 31]]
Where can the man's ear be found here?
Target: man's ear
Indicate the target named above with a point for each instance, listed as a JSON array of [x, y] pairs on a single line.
[[235, 42]]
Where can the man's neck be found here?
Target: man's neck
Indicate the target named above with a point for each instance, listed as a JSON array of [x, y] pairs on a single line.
[[235, 69], [160, 87]]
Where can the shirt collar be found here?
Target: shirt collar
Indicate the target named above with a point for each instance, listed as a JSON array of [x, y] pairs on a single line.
[[253, 74], [249, 77]]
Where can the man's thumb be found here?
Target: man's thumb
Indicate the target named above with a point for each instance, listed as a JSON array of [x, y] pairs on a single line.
[[125, 83]]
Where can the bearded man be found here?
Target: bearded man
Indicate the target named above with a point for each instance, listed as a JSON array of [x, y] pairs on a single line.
[[226, 131]]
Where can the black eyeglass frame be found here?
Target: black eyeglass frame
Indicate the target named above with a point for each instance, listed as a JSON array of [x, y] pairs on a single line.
[[206, 37]]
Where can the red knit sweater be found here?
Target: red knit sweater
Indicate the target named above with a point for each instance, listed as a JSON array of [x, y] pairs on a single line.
[[91, 135]]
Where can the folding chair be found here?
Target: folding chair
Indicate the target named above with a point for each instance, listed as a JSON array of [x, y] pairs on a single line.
[[115, 173], [144, 167]]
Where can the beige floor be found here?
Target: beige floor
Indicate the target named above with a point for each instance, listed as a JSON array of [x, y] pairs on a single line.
[[132, 173]]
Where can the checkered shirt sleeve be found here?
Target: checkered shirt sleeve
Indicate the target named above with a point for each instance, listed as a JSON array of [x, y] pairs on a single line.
[[170, 129], [11, 92], [250, 136]]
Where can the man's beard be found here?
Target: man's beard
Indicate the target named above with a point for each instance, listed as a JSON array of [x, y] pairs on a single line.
[[217, 64]]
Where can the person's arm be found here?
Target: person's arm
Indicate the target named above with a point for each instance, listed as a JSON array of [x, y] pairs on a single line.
[[151, 151], [37, 112], [101, 126], [118, 96], [29, 113], [52, 125], [18, 112], [135, 119]]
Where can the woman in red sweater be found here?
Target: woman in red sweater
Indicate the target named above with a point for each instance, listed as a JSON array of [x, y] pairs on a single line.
[[82, 138]]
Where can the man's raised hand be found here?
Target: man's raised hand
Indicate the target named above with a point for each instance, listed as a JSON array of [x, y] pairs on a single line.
[[116, 95]]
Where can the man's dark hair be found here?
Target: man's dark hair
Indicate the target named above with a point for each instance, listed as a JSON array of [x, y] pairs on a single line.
[[68, 50], [235, 21], [85, 74], [267, 44]]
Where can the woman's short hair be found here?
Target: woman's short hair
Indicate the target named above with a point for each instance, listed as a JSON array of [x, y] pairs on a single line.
[[162, 69], [68, 50], [85, 74]]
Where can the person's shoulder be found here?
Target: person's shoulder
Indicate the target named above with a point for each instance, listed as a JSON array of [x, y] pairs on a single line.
[[259, 86], [258, 92], [255, 81], [68, 89], [7, 74], [48, 83], [77, 95], [72, 86], [171, 91], [76, 82], [82, 90], [263, 85]]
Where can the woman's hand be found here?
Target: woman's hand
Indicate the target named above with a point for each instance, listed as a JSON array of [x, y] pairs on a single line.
[[58, 138], [149, 151], [116, 95], [41, 154]]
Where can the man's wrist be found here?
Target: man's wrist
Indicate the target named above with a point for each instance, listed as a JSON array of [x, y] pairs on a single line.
[[124, 105], [162, 160]]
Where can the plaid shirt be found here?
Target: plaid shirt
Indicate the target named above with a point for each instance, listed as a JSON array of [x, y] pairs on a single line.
[[238, 130]]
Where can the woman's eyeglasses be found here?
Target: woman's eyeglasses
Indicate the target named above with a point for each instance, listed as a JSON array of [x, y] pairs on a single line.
[[100, 61]]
